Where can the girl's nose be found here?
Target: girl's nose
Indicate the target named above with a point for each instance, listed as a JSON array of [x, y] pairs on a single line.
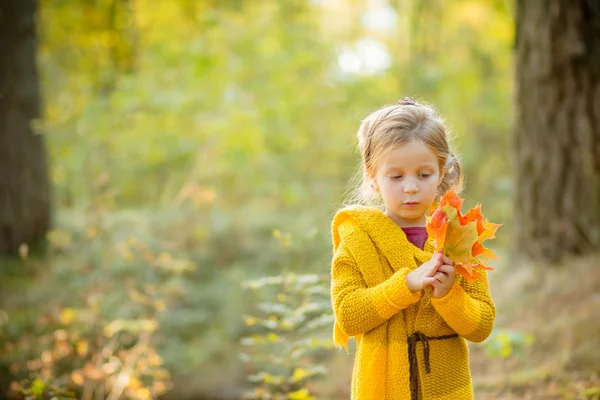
[[411, 188]]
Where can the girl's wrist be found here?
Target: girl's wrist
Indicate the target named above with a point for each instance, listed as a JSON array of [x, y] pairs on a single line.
[[410, 284]]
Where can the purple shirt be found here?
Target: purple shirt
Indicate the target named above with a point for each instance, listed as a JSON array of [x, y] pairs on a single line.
[[417, 235]]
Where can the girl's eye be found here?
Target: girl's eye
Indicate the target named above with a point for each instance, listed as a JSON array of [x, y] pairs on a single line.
[[425, 175], [395, 178]]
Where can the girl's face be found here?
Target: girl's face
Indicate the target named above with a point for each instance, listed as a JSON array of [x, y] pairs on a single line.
[[407, 179]]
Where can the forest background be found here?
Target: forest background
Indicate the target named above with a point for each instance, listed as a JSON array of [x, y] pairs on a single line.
[[196, 147]]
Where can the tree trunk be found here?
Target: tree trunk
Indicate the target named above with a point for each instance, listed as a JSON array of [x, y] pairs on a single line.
[[24, 186], [557, 132]]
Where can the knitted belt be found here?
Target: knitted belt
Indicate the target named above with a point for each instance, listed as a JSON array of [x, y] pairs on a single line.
[[413, 361]]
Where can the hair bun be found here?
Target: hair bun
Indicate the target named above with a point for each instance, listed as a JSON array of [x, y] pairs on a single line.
[[407, 101]]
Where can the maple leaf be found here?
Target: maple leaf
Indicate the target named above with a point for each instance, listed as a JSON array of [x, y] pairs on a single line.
[[437, 228], [460, 237]]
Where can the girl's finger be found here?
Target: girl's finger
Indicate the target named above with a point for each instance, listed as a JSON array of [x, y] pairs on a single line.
[[436, 257], [432, 269], [448, 269], [440, 277], [429, 280], [447, 260]]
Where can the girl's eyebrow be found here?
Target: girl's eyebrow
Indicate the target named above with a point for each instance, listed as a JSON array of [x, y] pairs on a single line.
[[395, 168]]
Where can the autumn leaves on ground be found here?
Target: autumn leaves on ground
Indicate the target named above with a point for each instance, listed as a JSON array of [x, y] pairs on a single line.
[[558, 307]]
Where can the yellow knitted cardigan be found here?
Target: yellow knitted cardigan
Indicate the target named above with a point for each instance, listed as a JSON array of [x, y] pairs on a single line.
[[371, 302]]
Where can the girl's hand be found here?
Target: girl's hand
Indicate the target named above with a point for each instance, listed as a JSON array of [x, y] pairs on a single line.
[[443, 278], [423, 276]]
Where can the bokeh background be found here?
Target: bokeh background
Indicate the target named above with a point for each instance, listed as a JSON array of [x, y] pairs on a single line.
[[197, 151]]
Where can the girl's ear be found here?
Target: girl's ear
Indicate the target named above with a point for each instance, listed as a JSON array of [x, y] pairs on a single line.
[[441, 178], [374, 184]]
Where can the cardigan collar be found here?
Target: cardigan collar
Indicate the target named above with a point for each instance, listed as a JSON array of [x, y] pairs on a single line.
[[385, 233]]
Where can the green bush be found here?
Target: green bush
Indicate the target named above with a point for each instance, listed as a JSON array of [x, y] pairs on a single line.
[[290, 335]]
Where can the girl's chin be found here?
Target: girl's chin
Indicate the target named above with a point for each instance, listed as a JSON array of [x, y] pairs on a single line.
[[410, 210], [412, 216]]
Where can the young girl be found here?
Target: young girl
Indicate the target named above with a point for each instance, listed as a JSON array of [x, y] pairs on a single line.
[[408, 311]]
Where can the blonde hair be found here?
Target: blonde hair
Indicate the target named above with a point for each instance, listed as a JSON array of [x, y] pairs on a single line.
[[396, 125]]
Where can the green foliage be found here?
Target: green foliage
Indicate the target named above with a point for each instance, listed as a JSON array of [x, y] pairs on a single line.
[[99, 313], [247, 104], [37, 389], [289, 333], [505, 343], [591, 393]]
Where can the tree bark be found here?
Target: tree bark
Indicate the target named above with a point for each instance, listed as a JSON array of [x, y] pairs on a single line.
[[24, 186], [557, 128]]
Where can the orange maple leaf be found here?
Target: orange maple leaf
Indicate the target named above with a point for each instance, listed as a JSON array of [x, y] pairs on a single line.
[[460, 237], [437, 227]]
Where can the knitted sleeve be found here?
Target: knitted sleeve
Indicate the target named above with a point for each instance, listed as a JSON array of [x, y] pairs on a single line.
[[359, 308], [468, 308]]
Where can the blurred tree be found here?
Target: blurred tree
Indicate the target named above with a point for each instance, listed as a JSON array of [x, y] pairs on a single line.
[[24, 186], [557, 132]]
